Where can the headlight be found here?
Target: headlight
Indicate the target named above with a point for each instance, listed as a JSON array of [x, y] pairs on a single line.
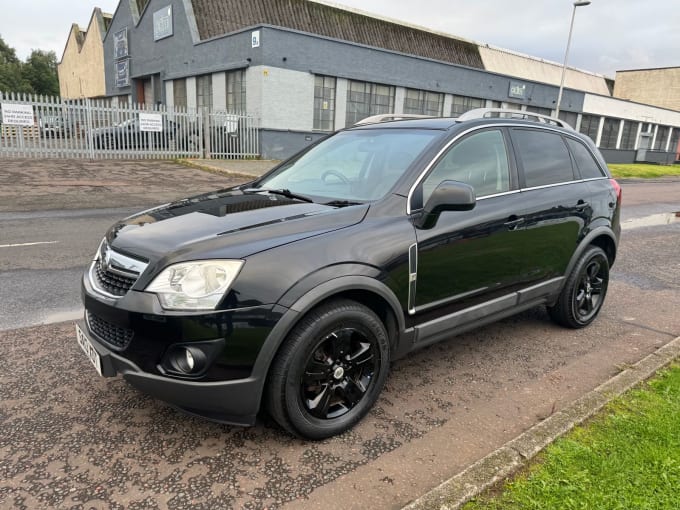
[[196, 285]]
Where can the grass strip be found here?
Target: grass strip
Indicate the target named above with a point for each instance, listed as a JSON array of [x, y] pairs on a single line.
[[643, 171], [628, 457]]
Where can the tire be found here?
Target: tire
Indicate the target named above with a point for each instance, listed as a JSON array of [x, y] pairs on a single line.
[[584, 291], [329, 371]]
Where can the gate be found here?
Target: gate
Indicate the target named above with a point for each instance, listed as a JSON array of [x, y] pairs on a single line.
[[231, 136]]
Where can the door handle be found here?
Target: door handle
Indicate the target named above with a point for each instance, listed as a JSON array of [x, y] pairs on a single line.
[[582, 204], [513, 222]]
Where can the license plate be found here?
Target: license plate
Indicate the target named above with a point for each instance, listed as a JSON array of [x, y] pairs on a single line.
[[89, 349]]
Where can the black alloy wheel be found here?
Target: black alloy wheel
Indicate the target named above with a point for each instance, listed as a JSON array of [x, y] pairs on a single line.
[[584, 291], [588, 294], [329, 371], [338, 373]]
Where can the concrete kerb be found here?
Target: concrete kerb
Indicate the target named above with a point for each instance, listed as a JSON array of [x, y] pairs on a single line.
[[244, 169], [514, 455]]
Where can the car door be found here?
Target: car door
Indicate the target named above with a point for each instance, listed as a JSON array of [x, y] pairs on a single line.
[[469, 256], [555, 203]]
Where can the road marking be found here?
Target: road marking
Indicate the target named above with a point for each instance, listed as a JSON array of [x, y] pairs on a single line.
[[27, 244]]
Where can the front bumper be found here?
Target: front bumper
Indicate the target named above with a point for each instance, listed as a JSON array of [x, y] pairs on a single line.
[[235, 402]]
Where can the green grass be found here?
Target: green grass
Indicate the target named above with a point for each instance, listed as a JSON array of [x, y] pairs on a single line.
[[626, 458], [643, 171]]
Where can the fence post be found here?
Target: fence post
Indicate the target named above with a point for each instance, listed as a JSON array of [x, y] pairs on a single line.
[[88, 122]]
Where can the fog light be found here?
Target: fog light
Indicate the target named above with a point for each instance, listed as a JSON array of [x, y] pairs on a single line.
[[187, 360]]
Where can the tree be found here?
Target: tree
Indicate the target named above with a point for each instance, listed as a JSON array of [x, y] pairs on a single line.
[[11, 76], [40, 71]]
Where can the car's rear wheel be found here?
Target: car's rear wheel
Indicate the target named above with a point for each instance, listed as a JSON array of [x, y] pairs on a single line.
[[329, 371], [584, 292]]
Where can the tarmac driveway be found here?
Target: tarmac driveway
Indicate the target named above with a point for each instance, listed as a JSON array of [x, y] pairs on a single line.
[[73, 440]]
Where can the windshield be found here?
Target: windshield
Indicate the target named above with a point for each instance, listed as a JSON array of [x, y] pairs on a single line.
[[359, 165]]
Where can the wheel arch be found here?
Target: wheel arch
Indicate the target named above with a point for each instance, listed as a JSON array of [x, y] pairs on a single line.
[[602, 237], [364, 289]]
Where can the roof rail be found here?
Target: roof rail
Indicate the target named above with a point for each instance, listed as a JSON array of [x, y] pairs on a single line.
[[387, 117], [481, 113]]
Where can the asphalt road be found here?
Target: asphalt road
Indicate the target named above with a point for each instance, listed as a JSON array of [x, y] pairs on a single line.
[[73, 440]]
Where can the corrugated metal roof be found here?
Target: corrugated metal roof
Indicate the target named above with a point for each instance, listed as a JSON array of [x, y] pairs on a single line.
[[219, 17]]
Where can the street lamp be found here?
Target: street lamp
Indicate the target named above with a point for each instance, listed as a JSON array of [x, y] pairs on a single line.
[[582, 3]]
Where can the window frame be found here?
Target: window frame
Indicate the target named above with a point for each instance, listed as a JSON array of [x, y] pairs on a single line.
[[374, 107], [317, 121], [423, 99]]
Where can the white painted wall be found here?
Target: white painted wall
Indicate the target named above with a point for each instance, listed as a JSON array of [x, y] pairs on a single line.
[[191, 93], [287, 98], [170, 93], [340, 103], [611, 107], [219, 90]]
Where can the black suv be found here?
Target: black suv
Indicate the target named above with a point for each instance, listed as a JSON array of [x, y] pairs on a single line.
[[294, 292]]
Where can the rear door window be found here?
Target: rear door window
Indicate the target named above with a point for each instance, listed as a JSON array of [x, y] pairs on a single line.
[[544, 157], [584, 160]]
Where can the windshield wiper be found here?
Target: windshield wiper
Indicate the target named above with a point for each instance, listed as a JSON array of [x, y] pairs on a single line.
[[342, 203], [283, 192]]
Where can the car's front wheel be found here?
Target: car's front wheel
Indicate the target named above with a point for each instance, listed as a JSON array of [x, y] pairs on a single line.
[[584, 291], [329, 371]]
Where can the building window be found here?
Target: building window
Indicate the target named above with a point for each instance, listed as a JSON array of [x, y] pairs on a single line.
[[675, 138], [204, 96], [421, 102], [569, 117], [589, 126], [512, 106], [141, 5], [495, 104], [629, 135], [324, 103], [610, 133], [179, 93], [539, 110], [661, 138], [366, 99], [236, 91], [462, 104]]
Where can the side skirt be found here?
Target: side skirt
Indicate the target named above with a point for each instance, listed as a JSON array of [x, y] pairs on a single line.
[[480, 315]]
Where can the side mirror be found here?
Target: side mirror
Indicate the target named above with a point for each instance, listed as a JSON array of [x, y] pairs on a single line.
[[448, 196]]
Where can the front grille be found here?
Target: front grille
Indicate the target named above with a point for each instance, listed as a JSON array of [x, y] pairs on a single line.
[[115, 336], [115, 284]]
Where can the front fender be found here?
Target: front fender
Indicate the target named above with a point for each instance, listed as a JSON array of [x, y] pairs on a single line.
[[311, 291]]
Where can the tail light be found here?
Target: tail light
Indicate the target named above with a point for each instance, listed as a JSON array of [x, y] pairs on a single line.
[[617, 190]]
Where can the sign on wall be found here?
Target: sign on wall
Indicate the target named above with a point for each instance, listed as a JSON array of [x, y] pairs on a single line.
[[123, 73], [120, 44], [151, 122], [255, 37], [17, 114], [518, 90], [162, 23]]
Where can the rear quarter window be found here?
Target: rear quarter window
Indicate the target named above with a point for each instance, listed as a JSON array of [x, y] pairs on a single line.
[[584, 160], [544, 157]]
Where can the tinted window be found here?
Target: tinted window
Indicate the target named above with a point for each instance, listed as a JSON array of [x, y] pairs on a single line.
[[544, 156], [479, 160], [584, 160]]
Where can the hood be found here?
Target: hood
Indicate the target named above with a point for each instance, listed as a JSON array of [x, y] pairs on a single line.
[[226, 224]]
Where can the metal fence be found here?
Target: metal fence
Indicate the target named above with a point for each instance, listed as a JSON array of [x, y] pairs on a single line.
[[96, 129]]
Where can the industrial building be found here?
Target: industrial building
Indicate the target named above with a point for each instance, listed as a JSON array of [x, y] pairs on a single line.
[[659, 87], [305, 68]]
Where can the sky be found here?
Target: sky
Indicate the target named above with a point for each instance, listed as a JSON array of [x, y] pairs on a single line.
[[608, 34]]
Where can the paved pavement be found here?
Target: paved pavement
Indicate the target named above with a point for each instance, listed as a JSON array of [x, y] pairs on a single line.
[[73, 440]]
